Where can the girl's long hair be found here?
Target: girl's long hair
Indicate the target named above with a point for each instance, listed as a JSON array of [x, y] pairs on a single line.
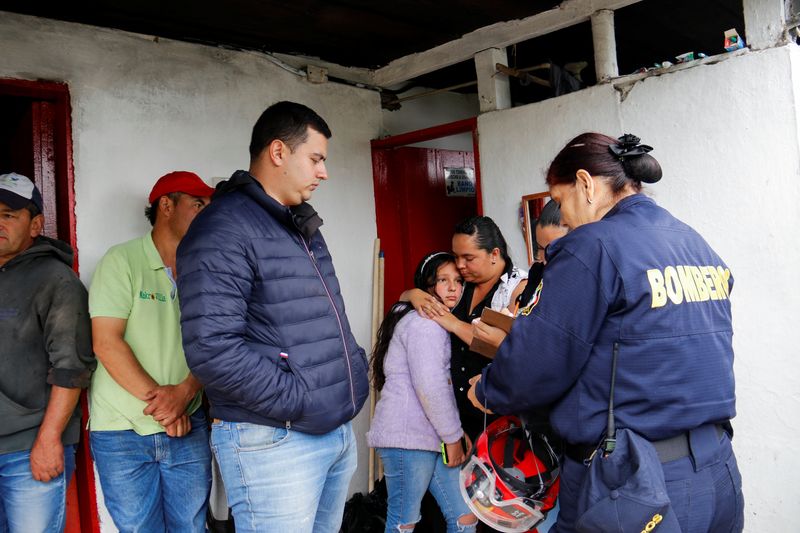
[[424, 279]]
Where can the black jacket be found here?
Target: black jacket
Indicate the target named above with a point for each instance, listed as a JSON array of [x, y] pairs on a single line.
[[45, 339]]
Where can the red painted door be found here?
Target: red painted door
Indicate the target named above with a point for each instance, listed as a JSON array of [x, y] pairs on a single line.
[[415, 212], [36, 141]]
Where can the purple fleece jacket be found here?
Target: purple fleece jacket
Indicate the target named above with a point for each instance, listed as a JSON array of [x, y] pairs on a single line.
[[417, 409]]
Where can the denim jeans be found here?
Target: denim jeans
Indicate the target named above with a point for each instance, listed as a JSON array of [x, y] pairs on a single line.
[[30, 506], [284, 481], [155, 482], [548, 522], [409, 473]]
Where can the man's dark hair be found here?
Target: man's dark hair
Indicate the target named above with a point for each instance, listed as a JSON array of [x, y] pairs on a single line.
[[550, 215], [33, 210], [288, 122], [151, 211]]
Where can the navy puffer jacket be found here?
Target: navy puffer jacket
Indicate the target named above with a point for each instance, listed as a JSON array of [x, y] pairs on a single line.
[[263, 321]]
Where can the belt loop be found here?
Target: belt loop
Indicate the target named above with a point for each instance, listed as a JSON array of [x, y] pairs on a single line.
[[288, 425], [704, 445]]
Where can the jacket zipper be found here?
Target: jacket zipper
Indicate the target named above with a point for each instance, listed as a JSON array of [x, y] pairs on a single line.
[[338, 320]]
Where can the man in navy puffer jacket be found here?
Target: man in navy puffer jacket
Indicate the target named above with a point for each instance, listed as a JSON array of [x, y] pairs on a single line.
[[265, 331]]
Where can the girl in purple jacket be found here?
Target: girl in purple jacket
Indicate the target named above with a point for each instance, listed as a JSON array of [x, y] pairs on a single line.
[[417, 411]]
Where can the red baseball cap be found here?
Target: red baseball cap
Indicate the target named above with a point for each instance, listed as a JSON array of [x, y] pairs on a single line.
[[180, 181]]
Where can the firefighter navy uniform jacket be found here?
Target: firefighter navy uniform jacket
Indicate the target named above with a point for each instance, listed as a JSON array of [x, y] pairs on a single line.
[[643, 280]]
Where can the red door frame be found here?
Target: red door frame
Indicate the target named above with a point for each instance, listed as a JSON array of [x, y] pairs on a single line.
[[381, 162], [467, 125], [56, 100], [57, 94]]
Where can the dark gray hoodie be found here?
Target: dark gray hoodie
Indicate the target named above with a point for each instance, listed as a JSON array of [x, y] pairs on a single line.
[[45, 339]]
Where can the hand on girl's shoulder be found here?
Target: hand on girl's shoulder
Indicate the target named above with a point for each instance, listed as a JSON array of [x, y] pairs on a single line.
[[427, 327]]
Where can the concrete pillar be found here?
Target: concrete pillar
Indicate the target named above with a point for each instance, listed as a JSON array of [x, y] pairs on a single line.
[[605, 45], [494, 91], [764, 23]]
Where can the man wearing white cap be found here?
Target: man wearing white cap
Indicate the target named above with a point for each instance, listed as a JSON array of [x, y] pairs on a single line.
[[45, 359]]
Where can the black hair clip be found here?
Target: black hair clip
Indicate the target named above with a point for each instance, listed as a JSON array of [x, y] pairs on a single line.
[[628, 146]]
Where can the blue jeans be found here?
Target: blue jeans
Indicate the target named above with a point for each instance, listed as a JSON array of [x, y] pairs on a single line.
[[155, 482], [284, 481], [548, 522], [30, 506], [705, 491], [409, 473]]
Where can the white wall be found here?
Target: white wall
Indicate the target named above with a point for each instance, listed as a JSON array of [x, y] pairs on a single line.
[[141, 108], [517, 144], [726, 135], [432, 110]]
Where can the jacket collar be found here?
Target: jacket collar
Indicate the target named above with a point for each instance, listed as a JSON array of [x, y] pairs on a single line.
[[43, 246], [306, 219], [627, 202], [301, 217]]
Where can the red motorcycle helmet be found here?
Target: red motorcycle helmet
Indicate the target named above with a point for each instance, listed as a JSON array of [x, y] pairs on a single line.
[[511, 478]]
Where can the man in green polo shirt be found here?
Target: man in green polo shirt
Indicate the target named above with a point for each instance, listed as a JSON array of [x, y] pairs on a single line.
[[149, 438]]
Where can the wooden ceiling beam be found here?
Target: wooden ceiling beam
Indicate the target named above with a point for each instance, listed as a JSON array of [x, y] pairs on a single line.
[[499, 35], [352, 74]]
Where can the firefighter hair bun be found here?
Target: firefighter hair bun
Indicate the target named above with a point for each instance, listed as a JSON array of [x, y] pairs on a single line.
[[638, 164]]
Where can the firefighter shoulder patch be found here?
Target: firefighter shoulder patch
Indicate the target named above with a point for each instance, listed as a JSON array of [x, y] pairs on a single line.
[[525, 311]]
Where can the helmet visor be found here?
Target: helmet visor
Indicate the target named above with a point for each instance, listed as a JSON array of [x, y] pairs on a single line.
[[479, 490]]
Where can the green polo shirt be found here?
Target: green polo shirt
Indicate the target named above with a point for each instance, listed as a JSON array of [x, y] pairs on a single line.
[[132, 283]]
